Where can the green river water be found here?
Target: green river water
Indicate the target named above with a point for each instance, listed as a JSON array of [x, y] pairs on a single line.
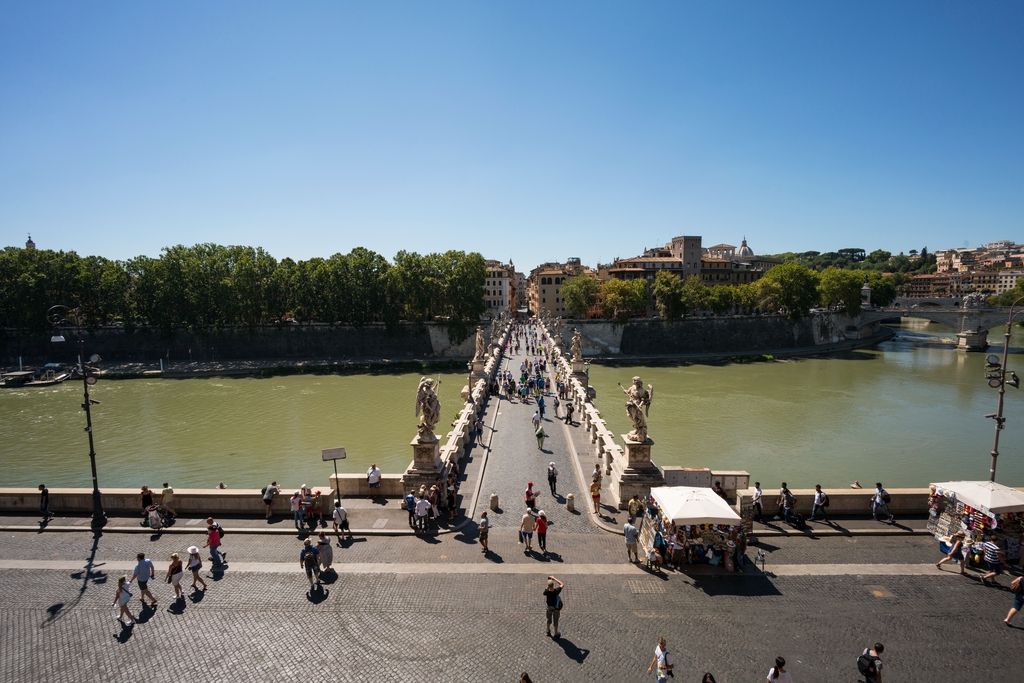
[[906, 413]]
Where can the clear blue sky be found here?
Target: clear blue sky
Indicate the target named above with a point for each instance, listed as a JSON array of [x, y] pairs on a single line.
[[534, 130]]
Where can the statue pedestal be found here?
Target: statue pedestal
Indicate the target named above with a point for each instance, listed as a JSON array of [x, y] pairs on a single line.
[[477, 373], [426, 464], [636, 473], [580, 373]]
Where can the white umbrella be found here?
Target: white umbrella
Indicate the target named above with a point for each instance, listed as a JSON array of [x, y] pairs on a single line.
[[994, 497], [693, 505]]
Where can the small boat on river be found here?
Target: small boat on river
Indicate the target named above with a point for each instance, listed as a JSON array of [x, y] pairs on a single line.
[[53, 373]]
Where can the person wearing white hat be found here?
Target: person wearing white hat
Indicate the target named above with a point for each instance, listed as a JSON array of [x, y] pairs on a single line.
[[296, 502], [195, 563], [552, 478]]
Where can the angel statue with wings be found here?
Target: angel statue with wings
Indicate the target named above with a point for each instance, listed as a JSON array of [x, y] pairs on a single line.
[[428, 407], [638, 406]]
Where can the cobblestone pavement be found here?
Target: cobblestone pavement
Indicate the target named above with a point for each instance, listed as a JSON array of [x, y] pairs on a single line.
[[404, 627]]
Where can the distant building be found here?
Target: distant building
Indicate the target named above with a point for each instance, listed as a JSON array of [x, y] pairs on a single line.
[[499, 287], [923, 286], [30, 244], [545, 285], [1007, 280]]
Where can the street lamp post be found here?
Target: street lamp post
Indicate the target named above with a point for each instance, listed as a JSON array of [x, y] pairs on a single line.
[[56, 316], [998, 379]]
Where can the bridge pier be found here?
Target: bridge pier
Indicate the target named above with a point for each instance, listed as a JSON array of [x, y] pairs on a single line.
[[971, 340]]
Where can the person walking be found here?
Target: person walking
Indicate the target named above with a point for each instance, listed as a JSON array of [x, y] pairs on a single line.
[[869, 664], [992, 553], [956, 552], [552, 478], [166, 498], [121, 599], [535, 420], [596, 475], [569, 410], [195, 563], [542, 531], [174, 573], [540, 434], [778, 673], [880, 503], [213, 543], [268, 497], [483, 529], [634, 508], [144, 571], [595, 496], [757, 502], [1017, 588], [309, 560], [326, 552], [44, 503], [630, 532], [820, 503], [341, 520], [526, 529], [373, 476], [553, 600], [662, 660]]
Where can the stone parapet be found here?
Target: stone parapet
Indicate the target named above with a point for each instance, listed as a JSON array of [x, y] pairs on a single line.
[[194, 502]]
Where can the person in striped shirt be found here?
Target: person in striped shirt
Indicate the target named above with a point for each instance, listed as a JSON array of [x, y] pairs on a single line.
[[992, 553]]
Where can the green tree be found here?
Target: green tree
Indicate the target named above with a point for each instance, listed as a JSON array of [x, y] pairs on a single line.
[[694, 295], [622, 299], [745, 296], [797, 289], [668, 292], [720, 299], [840, 290], [580, 293]]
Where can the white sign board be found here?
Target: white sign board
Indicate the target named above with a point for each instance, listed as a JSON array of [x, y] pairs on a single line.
[[333, 453]]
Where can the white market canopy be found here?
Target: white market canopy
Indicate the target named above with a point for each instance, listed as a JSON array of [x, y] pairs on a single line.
[[693, 505], [986, 495]]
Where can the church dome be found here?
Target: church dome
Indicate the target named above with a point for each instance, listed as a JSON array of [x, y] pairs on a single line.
[[744, 249]]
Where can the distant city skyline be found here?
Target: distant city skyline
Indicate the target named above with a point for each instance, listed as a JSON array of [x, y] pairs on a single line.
[[524, 131]]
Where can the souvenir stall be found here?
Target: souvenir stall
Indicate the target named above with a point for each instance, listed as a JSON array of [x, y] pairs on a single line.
[[978, 509], [708, 528]]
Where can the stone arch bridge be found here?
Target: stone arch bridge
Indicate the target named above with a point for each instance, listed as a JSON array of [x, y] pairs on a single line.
[[971, 323]]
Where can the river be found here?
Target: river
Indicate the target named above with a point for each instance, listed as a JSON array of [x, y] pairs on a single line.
[[907, 412]]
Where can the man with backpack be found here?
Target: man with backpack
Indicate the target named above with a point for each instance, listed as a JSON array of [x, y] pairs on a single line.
[[870, 665], [309, 559], [880, 503], [820, 503], [213, 541]]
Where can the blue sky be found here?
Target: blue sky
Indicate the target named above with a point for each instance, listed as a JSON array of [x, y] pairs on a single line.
[[528, 130]]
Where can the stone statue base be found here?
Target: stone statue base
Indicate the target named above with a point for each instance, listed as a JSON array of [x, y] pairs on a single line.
[[580, 373], [425, 466], [477, 373], [636, 473], [972, 341]]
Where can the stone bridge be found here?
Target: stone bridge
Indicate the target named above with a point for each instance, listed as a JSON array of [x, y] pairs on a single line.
[[971, 323]]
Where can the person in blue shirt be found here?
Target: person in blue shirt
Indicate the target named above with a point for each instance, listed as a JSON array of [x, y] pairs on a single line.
[[410, 506]]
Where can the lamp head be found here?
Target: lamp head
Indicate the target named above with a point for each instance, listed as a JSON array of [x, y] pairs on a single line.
[[57, 338]]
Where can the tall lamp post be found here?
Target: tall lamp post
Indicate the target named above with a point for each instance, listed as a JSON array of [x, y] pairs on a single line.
[[996, 375], [58, 315]]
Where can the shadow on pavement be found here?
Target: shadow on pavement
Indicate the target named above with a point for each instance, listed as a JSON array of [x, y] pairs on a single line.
[[571, 651], [746, 585], [145, 614], [317, 595], [125, 634], [177, 606], [197, 595], [493, 557]]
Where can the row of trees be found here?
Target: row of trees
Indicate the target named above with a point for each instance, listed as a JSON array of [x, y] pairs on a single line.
[[209, 286], [916, 263], [789, 288]]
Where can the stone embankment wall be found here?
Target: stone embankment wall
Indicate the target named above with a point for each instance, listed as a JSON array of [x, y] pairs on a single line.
[[708, 335], [239, 343]]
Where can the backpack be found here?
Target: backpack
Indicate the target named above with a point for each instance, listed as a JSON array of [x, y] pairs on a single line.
[[824, 503], [220, 531], [866, 665], [310, 559], [886, 499], [263, 491], [559, 604]]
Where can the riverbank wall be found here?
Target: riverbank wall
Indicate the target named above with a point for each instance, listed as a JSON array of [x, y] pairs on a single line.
[[149, 345]]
